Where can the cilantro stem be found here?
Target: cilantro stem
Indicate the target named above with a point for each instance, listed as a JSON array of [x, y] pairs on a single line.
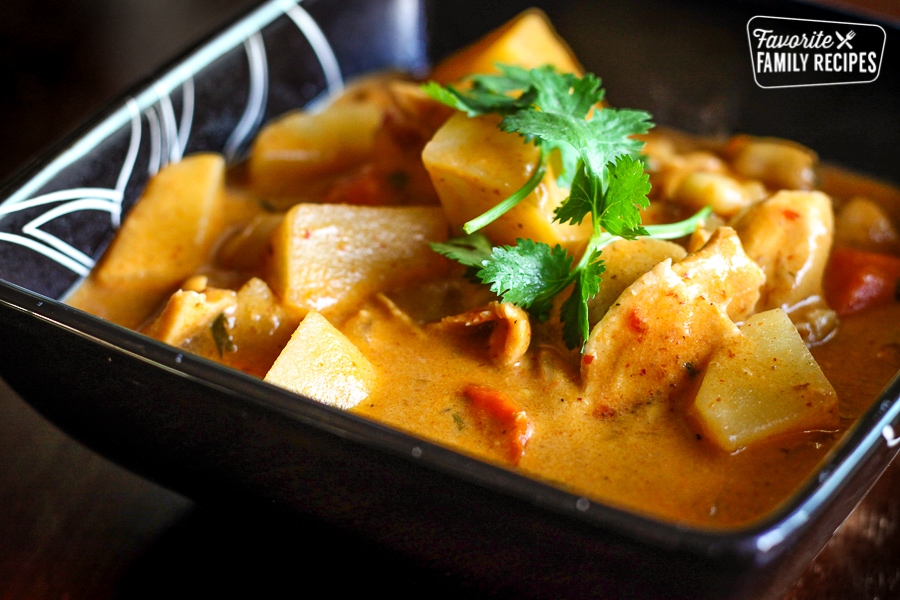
[[594, 244], [596, 149], [671, 231], [668, 231], [501, 208]]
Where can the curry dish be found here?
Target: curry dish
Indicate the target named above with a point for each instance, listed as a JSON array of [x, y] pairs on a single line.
[[694, 365]]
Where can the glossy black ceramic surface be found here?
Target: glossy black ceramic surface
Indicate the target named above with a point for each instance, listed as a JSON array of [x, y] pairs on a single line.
[[208, 431]]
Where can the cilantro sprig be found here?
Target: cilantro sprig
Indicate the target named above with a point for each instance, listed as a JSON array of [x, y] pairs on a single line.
[[598, 153]]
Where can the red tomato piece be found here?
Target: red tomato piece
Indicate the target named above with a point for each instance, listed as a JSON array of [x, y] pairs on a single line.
[[856, 280], [500, 408]]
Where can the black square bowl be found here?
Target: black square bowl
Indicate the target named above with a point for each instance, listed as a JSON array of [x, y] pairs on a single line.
[[208, 431]]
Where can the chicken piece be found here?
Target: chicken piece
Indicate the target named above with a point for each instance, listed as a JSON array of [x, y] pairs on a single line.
[[511, 335], [722, 267], [704, 231], [779, 164], [625, 261], [664, 327], [723, 193], [190, 315], [790, 236], [865, 225], [409, 123], [245, 329]]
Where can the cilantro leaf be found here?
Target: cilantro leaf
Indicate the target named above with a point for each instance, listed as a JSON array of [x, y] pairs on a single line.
[[574, 311], [599, 141], [555, 92], [487, 94], [598, 159], [566, 164], [574, 316], [222, 338], [625, 196], [619, 208], [471, 250], [528, 274], [517, 91], [583, 198]]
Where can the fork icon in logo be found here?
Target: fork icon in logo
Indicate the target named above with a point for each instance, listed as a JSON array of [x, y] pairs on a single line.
[[845, 40]]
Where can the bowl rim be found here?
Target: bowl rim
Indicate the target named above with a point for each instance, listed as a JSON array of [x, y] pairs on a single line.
[[758, 541], [752, 540]]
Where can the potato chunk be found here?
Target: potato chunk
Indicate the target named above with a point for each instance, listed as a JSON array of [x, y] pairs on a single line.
[[321, 363], [169, 232], [763, 383], [294, 155], [528, 41], [328, 256], [474, 165], [364, 147]]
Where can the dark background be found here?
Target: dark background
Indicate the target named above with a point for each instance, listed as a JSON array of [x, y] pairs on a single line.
[[63, 60], [73, 525]]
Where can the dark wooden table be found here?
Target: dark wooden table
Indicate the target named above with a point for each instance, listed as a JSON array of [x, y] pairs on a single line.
[[74, 525]]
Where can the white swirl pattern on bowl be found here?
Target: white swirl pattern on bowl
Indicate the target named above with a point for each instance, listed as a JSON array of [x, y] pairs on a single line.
[[37, 217]]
